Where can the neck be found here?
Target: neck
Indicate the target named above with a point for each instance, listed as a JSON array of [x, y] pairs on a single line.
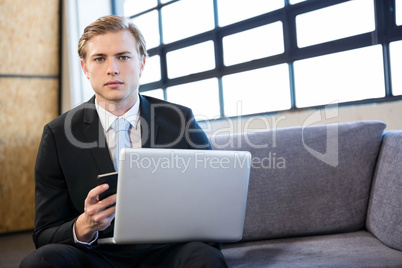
[[117, 108]]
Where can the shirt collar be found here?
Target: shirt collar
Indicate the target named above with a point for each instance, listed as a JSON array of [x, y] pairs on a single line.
[[108, 118]]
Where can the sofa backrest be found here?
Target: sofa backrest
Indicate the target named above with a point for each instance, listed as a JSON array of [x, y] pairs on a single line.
[[306, 181], [384, 216]]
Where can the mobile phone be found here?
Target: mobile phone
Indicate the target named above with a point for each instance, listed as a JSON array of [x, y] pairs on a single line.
[[111, 179]]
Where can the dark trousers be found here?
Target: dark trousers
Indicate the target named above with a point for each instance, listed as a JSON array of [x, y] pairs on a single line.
[[193, 254]]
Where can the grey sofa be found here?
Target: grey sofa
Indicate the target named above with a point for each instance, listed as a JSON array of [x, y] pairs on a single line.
[[320, 196]]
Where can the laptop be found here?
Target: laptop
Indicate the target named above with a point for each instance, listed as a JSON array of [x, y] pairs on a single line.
[[177, 195]]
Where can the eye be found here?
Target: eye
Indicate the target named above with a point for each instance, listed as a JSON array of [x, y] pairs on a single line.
[[124, 58], [99, 59]]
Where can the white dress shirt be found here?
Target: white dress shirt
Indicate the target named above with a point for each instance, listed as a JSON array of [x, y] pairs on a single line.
[[134, 132]]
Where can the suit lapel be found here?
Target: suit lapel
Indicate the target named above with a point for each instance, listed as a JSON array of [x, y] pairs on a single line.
[[149, 127], [94, 132]]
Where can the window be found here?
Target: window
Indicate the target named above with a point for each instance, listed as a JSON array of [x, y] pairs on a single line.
[[192, 59], [396, 67], [259, 42], [138, 6], [187, 18], [148, 23], [273, 55], [201, 96], [229, 10], [152, 70], [335, 22], [398, 12], [256, 91], [155, 93], [341, 77], [292, 2]]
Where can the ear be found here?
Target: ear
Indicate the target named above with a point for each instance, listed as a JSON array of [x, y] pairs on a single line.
[[142, 64], [84, 68]]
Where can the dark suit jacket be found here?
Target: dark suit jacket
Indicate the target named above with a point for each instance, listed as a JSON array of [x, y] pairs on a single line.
[[73, 152]]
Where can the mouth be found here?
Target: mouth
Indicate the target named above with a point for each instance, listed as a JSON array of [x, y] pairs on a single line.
[[114, 83]]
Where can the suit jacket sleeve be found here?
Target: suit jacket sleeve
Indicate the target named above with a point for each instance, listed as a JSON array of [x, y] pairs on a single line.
[[195, 135], [54, 214]]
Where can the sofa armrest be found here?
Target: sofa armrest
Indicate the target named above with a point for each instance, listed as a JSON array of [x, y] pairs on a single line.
[[384, 216]]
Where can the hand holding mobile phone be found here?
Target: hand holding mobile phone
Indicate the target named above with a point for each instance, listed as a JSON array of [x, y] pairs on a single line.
[[111, 179]]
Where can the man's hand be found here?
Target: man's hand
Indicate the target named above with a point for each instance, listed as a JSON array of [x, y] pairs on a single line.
[[97, 214]]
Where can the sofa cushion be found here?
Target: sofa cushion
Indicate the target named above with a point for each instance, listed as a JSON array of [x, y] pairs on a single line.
[[357, 249], [384, 217], [307, 181]]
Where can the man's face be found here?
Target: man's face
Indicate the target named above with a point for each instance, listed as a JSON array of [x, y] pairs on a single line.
[[113, 66]]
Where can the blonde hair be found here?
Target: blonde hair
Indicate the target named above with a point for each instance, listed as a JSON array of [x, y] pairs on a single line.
[[108, 24]]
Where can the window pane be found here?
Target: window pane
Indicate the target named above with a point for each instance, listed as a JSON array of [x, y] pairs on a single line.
[[202, 97], [149, 26], [335, 22], [191, 59], [132, 7], [346, 76], [155, 93], [292, 2], [233, 11], [398, 12], [152, 70], [396, 67], [187, 18], [256, 91], [260, 42]]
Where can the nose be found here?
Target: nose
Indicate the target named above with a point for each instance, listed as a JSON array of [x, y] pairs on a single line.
[[112, 68]]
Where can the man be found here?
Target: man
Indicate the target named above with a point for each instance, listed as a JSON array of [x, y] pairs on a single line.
[[79, 145]]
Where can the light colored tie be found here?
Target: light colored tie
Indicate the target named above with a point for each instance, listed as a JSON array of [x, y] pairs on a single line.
[[120, 126]]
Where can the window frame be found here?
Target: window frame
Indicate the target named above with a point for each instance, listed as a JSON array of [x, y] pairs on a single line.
[[386, 31]]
